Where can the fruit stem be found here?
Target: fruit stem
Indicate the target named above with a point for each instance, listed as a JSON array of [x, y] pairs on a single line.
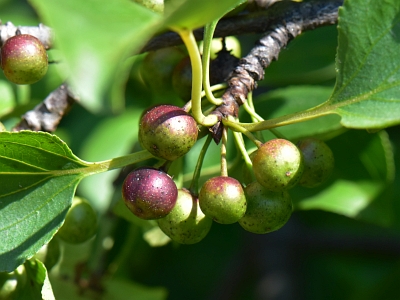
[[194, 186], [195, 60], [242, 148], [188, 106], [249, 108], [235, 126], [224, 140], [207, 39]]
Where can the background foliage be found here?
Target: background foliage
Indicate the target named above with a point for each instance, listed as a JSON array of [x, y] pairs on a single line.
[[343, 239]]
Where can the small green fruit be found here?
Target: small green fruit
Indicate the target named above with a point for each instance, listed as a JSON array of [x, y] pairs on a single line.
[[80, 223], [318, 162], [278, 165], [222, 199], [266, 211], [167, 131], [24, 59], [186, 223], [157, 67]]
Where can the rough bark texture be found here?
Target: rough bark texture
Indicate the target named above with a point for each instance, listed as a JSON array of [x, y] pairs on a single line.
[[47, 115], [258, 21], [42, 32], [243, 79]]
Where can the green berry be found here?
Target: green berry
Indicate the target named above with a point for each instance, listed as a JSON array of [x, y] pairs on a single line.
[[80, 223], [186, 223], [24, 59], [318, 162], [267, 211], [222, 199], [278, 165]]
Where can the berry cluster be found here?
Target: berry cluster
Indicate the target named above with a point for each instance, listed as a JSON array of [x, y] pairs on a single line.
[[262, 206]]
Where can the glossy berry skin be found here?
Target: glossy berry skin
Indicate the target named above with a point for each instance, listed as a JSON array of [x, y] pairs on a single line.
[[266, 211], [186, 223], [318, 162], [24, 59], [222, 199], [149, 193], [278, 165], [80, 223], [167, 131]]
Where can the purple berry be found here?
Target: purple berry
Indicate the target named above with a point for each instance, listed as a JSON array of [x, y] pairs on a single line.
[[149, 193]]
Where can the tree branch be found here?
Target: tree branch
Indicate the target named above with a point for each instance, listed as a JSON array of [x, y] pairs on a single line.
[[42, 32], [47, 115], [258, 21], [294, 21]]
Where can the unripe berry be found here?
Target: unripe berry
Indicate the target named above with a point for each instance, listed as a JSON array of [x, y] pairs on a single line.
[[186, 223], [80, 223], [24, 59], [278, 165], [318, 162], [167, 131], [222, 199], [266, 211]]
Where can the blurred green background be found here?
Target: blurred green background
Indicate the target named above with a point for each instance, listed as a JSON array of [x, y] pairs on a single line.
[[316, 255]]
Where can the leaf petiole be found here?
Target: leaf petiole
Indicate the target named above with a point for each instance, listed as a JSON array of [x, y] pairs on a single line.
[[235, 126]]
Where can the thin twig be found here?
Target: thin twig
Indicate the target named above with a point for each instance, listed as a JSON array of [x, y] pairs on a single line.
[[259, 21], [47, 115], [243, 79], [42, 32]]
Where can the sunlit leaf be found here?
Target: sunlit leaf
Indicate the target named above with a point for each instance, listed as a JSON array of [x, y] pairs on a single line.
[[38, 285], [38, 177], [95, 37], [367, 92], [181, 13]]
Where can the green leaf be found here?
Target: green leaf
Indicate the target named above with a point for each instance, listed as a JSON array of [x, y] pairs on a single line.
[[362, 184], [95, 37], [191, 14], [38, 285], [38, 177], [367, 92]]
